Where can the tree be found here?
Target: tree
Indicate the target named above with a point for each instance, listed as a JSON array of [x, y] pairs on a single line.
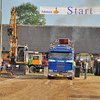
[[27, 14]]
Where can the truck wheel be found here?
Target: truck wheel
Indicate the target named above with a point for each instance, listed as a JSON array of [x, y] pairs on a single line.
[[95, 68], [99, 68], [91, 70], [49, 77], [74, 71], [32, 69], [88, 70], [71, 78]]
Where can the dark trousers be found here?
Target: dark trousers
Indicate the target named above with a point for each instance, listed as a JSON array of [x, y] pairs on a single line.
[[1, 69], [85, 70], [81, 70]]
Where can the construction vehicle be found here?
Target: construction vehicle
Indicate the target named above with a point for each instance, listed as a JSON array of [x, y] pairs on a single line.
[[17, 54], [61, 59], [34, 61], [86, 57]]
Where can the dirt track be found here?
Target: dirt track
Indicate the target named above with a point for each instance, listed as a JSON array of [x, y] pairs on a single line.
[[55, 89]]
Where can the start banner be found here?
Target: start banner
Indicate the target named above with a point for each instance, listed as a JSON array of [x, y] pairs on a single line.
[[70, 10]]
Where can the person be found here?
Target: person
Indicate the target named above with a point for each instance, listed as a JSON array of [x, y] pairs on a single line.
[[79, 64], [30, 57], [37, 58], [81, 69], [85, 69], [74, 64], [2, 64]]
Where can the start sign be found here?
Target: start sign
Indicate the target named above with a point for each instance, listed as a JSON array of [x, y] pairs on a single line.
[[70, 10]]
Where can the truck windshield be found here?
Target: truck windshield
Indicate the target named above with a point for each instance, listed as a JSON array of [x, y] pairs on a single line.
[[61, 55], [36, 57], [30, 56], [20, 54], [85, 57]]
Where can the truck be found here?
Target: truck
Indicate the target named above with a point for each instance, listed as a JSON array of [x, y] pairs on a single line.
[[61, 59], [86, 57], [34, 61]]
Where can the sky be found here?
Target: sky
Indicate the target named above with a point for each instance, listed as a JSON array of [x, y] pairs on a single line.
[[54, 19]]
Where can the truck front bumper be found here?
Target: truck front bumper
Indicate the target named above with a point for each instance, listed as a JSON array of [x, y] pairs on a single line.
[[40, 67], [69, 74]]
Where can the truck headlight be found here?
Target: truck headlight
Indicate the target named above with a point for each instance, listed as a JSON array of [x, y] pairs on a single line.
[[9, 65], [70, 61], [17, 66], [50, 70], [51, 60], [70, 71]]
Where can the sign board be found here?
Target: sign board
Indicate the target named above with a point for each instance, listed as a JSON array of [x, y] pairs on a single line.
[[70, 10]]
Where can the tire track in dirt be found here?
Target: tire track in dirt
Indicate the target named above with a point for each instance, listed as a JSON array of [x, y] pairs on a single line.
[[44, 89]]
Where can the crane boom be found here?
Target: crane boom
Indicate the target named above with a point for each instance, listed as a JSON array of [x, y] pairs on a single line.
[[13, 35]]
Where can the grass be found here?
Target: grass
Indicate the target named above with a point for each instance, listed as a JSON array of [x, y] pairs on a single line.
[[1, 75], [88, 74], [36, 73], [42, 73]]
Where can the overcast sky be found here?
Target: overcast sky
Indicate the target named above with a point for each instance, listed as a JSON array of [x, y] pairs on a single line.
[[62, 20]]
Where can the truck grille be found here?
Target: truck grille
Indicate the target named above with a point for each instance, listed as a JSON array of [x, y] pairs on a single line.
[[60, 66]]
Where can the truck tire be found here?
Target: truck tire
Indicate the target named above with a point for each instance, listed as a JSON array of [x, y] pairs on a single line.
[[98, 68], [22, 69], [72, 77], [74, 72], [49, 77], [32, 69], [95, 68], [91, 70]]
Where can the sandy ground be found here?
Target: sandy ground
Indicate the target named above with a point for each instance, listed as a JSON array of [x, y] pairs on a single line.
[[53, 89]]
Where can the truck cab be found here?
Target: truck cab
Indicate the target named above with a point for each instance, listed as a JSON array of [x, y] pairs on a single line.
[[61, 60]]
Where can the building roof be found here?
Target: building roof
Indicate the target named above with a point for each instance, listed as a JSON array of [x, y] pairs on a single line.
[[38, 38]]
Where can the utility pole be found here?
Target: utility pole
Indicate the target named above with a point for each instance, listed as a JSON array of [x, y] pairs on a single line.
[[1, 34]]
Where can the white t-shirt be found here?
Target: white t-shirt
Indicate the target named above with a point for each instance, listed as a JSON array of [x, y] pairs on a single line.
[[86, 66]]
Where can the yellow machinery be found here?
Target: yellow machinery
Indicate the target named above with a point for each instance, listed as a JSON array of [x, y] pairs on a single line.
[[13, 35], [17, 55]]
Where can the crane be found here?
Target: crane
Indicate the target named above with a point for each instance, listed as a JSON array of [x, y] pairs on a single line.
[[13, 36], [18, 53]]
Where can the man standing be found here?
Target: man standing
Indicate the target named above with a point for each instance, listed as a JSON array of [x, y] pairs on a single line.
[[79, 64], [2, 64]]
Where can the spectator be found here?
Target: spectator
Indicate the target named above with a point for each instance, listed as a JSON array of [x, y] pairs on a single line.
[[74, 64], [79, 64], [85, 69], [2, 64], [81, 68]]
